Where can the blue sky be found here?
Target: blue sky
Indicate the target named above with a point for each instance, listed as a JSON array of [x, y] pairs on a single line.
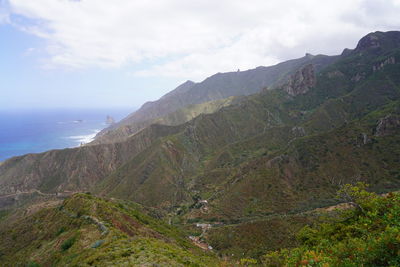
[[26, 83], [101, 53]]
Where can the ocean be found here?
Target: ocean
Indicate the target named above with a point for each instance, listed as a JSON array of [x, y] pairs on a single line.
[[34, 131]]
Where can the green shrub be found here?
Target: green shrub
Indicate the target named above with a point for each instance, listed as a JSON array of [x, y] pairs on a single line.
[[248, 262], [68, 243], [33, 264], [60, 231]]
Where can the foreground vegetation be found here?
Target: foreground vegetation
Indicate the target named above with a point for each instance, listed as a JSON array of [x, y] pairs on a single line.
[[85, 230], [368, 234]]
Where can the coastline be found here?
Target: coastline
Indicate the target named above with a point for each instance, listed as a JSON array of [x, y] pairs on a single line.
[[84, 139], [26, 131]]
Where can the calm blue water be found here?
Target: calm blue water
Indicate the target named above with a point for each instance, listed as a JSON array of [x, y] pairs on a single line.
[[32, 131]]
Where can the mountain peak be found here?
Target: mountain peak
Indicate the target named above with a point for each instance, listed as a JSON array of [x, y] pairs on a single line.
[[378, 41], [308, 55], [189, 82], [370, 41]]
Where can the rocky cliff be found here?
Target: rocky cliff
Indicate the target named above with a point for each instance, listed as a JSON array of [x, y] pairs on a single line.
[[301, 81]]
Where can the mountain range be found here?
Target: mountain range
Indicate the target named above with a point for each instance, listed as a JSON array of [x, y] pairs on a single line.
[[235, 157]]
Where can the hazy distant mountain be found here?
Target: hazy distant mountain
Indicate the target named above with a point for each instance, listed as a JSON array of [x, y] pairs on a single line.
[[216, 87]]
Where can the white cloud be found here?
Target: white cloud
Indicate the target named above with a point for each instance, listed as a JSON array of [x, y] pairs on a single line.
[[197, 38], [4, 13]]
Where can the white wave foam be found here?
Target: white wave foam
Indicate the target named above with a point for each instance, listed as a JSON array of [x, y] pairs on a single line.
[[84, 139], [69, 122]]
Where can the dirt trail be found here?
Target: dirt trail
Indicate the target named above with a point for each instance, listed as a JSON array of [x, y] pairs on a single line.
[[40, 193]]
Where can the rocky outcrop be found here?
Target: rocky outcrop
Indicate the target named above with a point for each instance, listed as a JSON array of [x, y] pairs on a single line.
[[387, 125], [110, 120], [334, 74], [362, 139], [379, 66], [370, 41], [358, 77], [301, 81], [298, 131], [377, 42], [102, 227]]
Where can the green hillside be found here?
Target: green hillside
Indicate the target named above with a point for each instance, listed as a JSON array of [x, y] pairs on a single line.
[[177, 117], [367, 235], [180, 104], [242, 174], [278, 151], [88, 231]]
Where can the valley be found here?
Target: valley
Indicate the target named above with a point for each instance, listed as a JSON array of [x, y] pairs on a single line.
[[240, 163]]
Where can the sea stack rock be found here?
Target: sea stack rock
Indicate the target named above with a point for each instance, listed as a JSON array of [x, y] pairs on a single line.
[[110, 120]]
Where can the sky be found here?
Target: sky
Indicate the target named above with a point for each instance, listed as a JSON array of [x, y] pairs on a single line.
[[122, 53]]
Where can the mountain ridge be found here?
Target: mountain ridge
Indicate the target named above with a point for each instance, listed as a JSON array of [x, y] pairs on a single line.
[[107, 158], [215, 87], [224, 172]]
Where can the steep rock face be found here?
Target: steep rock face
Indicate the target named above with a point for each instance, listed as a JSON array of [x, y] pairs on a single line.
[[388, 61], [387, 125], [301, 81]]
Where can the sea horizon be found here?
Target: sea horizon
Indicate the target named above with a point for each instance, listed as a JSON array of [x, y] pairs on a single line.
[[25, 131]]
